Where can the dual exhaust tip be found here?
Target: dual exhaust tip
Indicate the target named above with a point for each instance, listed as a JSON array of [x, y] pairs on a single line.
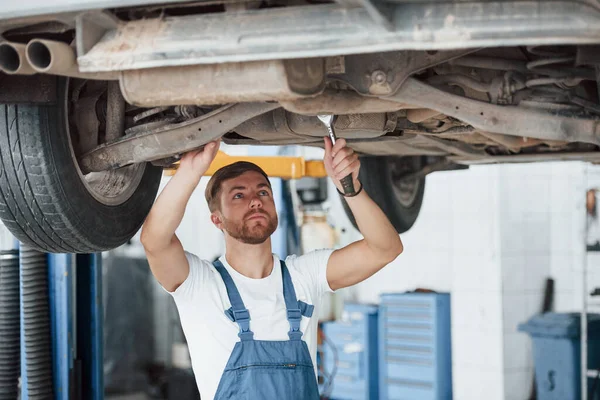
[[44, 56]]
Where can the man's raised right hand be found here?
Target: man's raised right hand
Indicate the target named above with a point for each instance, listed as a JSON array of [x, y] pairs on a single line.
[[199, 160]]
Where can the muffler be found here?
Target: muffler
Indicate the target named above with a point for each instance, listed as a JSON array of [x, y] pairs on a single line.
[[209, 84], [58, 58], [13, 60]]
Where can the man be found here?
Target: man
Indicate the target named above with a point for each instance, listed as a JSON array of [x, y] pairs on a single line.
[[249, 319]]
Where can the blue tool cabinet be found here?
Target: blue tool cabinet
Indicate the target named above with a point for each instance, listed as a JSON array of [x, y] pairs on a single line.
[[355, 341], [415, 359]]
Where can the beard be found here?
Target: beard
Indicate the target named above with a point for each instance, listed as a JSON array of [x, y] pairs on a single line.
[[258, 233]]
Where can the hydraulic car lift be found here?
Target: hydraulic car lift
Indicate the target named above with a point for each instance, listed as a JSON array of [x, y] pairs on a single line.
[[66, 357], [275, 166]]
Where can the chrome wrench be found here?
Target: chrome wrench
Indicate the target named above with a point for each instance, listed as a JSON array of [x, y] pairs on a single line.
[[327, 120]]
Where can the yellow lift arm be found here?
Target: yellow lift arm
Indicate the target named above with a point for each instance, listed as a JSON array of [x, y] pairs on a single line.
[[275, 166]]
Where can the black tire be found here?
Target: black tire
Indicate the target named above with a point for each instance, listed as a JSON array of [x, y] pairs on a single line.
[[378, 176], [44, 200]]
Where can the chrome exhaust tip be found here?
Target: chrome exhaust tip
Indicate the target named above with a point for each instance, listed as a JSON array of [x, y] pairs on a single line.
[[58, 58], [39, 55], [13, 59]]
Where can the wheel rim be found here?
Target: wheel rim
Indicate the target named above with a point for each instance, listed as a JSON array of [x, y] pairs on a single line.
[[111, 188], [405, 191]]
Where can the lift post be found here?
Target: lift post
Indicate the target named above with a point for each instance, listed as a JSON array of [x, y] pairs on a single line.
[[75, 317]]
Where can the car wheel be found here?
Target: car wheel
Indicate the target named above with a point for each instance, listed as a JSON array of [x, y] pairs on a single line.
[[45, 200], [400, 199]]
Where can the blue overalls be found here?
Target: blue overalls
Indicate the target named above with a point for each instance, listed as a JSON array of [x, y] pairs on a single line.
[[260, 369]]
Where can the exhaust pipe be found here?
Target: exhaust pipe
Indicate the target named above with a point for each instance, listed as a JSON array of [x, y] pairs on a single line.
[[13, 60], [58, 58]]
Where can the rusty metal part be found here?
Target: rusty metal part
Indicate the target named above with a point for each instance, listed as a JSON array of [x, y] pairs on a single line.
[[381, 74], [517, 143], [418, 115], [271, 128], [280, 126], [305, 76], [224, 83], [493, 63], [58, 58], [84, 114], [347, 126], [171, 139], [85, 111], [151, 126], [149, 113], [340, 102], [167, 161], [13, 60], [405, 145], [115, 112], [413, 145], [454, 147], [508, 120], [460, 80], [87, 123]]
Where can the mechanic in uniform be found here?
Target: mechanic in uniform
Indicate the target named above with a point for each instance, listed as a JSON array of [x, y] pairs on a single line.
[[250, 319]]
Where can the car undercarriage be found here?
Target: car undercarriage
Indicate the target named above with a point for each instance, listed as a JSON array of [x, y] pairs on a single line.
[[416, 87]]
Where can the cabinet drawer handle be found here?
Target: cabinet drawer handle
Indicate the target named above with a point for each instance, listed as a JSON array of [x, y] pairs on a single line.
[[405, 382], [408, 349], [403, 360], [410, 327]]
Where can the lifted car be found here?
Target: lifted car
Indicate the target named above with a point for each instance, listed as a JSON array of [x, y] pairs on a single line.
[[95, 102]]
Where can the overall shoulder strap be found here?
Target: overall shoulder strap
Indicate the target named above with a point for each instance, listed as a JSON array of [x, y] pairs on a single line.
[[294, 314], [238, 312]]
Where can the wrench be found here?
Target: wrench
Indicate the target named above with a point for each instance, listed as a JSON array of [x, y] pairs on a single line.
[[327, 120]]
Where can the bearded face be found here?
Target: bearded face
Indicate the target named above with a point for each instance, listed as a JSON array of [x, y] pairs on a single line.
[[254, 228], [247, 209]]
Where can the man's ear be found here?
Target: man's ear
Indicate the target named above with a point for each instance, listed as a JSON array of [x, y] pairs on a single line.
[[217, 219]]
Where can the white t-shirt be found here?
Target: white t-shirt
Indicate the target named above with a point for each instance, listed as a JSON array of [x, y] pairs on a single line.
[[202, 299]]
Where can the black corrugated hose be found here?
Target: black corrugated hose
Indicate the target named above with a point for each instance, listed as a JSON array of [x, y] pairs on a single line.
[[9, 325], [36, 323]]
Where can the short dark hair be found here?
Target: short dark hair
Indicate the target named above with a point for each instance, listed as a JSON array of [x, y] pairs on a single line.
[[213, 189]]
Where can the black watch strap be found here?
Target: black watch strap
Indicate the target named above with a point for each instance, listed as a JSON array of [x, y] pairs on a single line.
[[353, 194]]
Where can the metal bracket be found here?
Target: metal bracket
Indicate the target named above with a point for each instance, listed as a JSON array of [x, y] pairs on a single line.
[[171, 139], [90, 28], [381, 74], [507, 120]]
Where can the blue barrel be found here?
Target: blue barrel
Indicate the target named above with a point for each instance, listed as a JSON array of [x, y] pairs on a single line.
[[557, 353]]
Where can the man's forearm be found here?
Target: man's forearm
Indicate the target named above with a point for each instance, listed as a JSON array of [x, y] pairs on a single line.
[[374, 225], [168, 210]]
